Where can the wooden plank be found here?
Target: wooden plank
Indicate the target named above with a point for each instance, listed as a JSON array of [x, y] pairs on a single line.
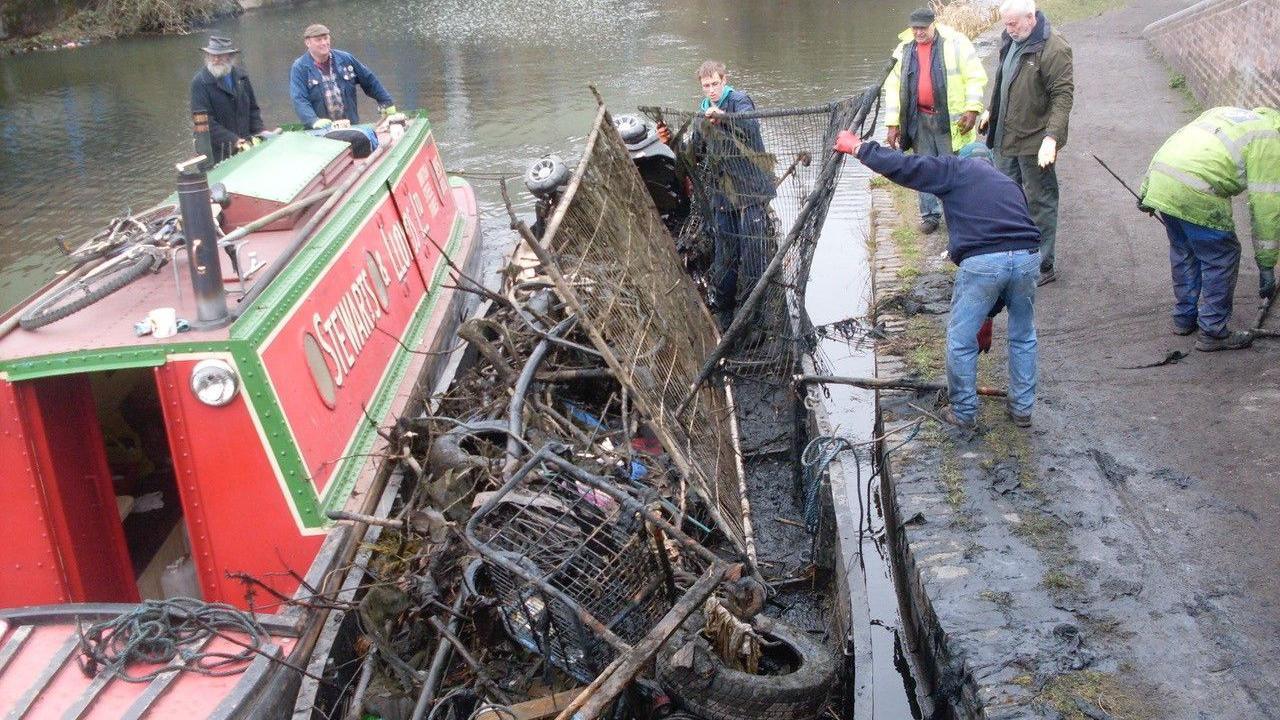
[[535, 709]]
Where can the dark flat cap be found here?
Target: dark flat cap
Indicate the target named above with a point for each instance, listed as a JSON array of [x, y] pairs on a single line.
[[219, 45], [315, 30], [922, 17]]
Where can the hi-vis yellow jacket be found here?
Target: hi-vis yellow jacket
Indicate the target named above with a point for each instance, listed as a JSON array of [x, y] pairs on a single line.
[[1222, 153], [958, 89]]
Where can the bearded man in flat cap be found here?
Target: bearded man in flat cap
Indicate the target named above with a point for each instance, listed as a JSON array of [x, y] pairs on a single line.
[[222, 94]]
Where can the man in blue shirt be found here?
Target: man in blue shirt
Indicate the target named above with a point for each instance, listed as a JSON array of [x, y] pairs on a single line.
[[996, 245], [323, 82]]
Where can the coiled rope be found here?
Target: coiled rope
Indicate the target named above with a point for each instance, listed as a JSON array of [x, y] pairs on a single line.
[[160, 631]]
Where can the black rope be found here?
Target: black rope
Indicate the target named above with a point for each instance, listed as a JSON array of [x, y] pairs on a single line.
[[159, 631]]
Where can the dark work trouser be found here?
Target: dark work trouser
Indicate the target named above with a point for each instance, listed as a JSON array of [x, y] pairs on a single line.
[[740, 258], [1041, 186], [1205, 263], [930, 135]]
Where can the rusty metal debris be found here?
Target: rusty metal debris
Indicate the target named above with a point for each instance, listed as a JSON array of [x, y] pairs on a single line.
[[566, 521]]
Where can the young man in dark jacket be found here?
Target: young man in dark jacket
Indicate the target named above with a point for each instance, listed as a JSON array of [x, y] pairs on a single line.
[[995, 244], [1030, 105], [221, 92], [738, 174]]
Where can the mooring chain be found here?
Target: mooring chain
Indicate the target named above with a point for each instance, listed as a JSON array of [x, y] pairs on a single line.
[[159, 631]]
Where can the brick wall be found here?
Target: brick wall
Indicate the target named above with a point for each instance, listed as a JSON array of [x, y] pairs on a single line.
[[1227, 49]]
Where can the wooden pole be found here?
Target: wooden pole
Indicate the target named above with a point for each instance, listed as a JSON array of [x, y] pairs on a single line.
[[620, 673], [890, 384]]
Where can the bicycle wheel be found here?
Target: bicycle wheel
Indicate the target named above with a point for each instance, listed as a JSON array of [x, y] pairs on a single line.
[[82, 293], [123, 231]]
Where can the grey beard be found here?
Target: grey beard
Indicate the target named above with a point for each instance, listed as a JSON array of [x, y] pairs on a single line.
[[218, 71]]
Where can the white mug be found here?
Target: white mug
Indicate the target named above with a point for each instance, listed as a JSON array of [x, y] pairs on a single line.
[[164, 322]]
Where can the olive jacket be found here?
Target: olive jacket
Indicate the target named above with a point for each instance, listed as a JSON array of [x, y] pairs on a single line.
[[1041, 91]]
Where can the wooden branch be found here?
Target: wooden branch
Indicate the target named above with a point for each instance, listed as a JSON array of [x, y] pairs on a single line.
[[890, 384]]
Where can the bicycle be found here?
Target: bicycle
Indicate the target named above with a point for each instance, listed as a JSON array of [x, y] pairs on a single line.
[[132, 246]]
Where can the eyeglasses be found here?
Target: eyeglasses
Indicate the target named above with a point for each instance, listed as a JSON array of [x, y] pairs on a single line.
[[708, 84]]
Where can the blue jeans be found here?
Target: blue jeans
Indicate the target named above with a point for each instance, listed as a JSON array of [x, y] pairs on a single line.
[[981, 281], [740, 239], [931, 135], [1041, 188], [1205, 263]]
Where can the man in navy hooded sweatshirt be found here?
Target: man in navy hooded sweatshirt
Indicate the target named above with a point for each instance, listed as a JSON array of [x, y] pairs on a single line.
[[996, 246]]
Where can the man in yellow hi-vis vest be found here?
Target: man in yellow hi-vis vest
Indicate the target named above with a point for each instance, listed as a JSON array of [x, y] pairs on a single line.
[[1193, 176], [933, 96]]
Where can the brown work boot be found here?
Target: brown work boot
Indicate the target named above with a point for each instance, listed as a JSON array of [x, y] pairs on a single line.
[[1022, 421], [1231, 341]]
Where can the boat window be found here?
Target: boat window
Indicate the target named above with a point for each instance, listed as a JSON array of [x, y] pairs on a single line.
[[320, 369], [379, 285]]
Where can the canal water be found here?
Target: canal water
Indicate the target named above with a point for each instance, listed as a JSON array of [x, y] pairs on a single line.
[[85, 133], [88, 132]]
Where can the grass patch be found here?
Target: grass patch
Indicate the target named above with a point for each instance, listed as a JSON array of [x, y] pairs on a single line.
[[1080, 695], [1003, 600], [1178, 81], [921, 346], [1059, 581], [952, 478], [1041, 532]]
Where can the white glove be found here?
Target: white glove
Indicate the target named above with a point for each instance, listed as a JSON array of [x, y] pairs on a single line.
[[321, 123], [983, 121], [1048, 151]]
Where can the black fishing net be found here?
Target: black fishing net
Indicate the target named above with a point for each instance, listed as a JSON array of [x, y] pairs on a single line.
[[750, 175]]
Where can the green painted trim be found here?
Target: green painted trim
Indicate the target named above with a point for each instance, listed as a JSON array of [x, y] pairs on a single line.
[[278, 436], [344, 476], [82, 361]]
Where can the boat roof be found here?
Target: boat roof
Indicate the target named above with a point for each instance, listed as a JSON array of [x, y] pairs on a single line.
[[42, 675], [260, 180]]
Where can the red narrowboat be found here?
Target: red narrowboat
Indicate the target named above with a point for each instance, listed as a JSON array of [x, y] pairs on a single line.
[[183, 408]]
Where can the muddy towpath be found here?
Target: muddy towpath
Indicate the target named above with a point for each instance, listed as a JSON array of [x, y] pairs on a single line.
[[1119, 559], [1186, 451]]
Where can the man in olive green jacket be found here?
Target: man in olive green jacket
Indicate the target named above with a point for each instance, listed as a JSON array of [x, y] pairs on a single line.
[[1030, 103], [1193, 176]]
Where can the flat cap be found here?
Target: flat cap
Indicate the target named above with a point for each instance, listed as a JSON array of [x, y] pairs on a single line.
[[219, 45], [922, 17], [315, 30]]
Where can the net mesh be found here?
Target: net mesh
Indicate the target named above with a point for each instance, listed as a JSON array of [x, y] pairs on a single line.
[[751, 174], [617, 267]]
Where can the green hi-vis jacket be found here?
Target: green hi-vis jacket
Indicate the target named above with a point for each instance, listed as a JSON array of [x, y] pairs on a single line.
[[956, 90], [1222, 153]]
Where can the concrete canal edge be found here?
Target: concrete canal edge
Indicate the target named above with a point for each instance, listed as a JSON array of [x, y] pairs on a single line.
[[993, 587]]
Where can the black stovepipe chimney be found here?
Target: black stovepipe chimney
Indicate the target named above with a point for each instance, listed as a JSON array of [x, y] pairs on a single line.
[[202, 243]]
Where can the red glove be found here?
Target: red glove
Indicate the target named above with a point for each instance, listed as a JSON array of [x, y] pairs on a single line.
[[847, 143], [984, 337]]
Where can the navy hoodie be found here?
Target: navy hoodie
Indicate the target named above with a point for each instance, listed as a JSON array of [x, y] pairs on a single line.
[[986, 211]]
